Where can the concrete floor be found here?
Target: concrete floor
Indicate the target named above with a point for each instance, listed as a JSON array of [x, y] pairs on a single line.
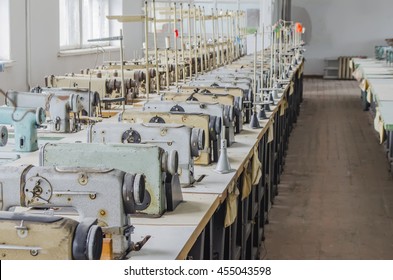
[[336, 193]]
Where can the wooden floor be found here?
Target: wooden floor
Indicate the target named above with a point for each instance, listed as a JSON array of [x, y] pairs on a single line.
[[336, 194]]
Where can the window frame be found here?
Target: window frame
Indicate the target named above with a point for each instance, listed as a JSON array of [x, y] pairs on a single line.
[[81, 45]]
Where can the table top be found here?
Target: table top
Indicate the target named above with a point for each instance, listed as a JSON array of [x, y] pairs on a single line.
[[386, 110], [379, 76], [382, 89]]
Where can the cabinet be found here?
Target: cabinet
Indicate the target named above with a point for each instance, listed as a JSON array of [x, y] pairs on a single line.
[[331, 68]]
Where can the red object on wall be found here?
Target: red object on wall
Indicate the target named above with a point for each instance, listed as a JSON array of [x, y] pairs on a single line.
[[177, 33], [299, 27]]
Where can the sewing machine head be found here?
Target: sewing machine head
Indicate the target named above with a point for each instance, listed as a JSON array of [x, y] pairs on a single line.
[[158, 167], [188, 142], [209, 125], [108, 195], [25, 121], [26, 236], [84, 189], [90, 100], [223, 97], [222, 113], [58, 107], [107, 88]]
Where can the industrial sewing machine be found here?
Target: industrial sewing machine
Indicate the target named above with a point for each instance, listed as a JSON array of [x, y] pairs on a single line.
[[225, 78], [106, 194], [188, 142], [380, 52], [163, 190], [225, 113], [208, 97], [109, 90], [58, 107], [237, 92], [210, 125], [245, 87], [135, 77], [25, 122], [90, 100], [226, 83], [26, 236]]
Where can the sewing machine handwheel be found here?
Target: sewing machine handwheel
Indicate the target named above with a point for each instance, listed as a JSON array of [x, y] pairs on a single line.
[[3, 136], [197, 141], [111, 85], [40, 116], [173, 162], [88, 239], [94, 243], [75, 103], [218, 125], [133, 191], [229, 113], [239, 103], [139, 189]]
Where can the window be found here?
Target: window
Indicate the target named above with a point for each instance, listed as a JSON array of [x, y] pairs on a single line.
[[81, 20], [4, 30]]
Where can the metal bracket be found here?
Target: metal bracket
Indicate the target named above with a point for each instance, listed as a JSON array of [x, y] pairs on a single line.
[[22, 230]]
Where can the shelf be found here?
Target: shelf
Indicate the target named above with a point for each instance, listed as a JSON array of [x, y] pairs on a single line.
[[331, 72]]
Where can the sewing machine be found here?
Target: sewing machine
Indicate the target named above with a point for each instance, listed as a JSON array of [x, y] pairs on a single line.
[[210, 125], [225, 78], [108, 195], [227, 83], [90, 100], [380, 52], [26, 236], [135, 78], [25, 121], [59, 108], [225, 113], [163, 190], [108, 89], [188, 142], [237, 92], [234, 91], [245, 87], [208, 97]]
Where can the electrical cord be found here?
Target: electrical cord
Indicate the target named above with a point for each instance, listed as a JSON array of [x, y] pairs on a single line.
[[15, 107]]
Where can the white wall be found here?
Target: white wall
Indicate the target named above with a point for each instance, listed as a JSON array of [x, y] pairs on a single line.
[[44, 46], [134, 33], [267, 18], [15, 76], [342, 28], [43, 39]]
